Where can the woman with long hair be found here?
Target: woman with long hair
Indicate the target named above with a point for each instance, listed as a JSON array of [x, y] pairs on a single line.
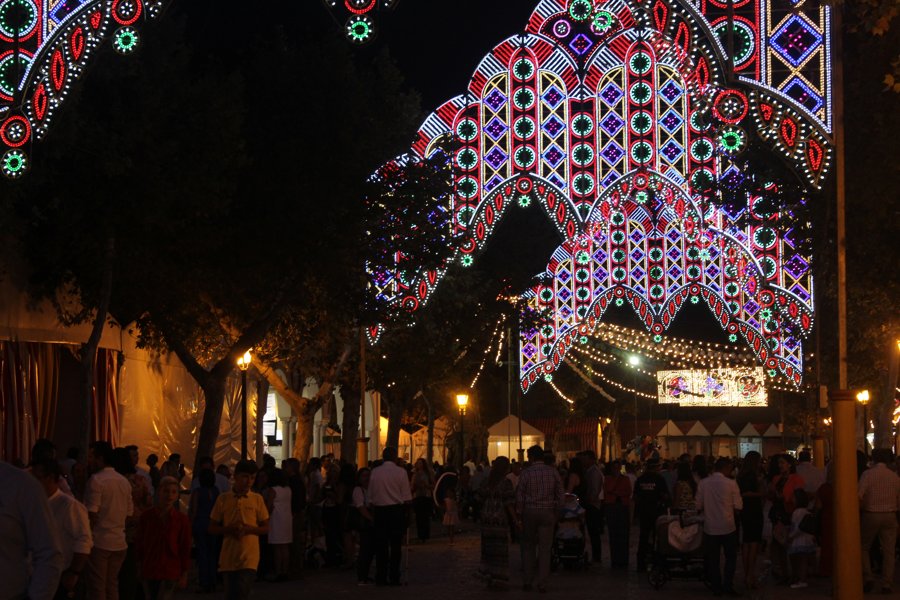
[[281, 523], [498, 499], [421, 485], [685, 490], [753, 490]]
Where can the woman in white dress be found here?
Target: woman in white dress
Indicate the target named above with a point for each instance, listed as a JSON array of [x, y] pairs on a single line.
[[281, 526]]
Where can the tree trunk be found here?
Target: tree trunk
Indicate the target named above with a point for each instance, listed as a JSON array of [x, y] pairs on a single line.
[[349, 424], [395, 417], [214, 401], [303, 441], [429, 445], [262, 398], [89, 349]]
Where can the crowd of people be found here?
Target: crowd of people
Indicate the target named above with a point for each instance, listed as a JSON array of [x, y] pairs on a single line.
[[107, 528]]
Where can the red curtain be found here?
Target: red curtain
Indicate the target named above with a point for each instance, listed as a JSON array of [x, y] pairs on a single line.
[[29, 376], [29, 383]]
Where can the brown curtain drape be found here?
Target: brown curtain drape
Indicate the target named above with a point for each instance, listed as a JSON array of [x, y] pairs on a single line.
[[29, 380]]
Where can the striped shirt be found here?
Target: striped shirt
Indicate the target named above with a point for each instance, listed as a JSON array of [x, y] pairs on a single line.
[[879, 490], [540, 487]]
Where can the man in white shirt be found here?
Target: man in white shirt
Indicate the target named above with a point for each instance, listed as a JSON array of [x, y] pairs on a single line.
[[718, 498], [109, 504], [389, 496], [26, 527], [72, 525], [813, 476]]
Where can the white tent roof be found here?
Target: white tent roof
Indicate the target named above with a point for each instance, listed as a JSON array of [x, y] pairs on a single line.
[[749, 431], [669, 429], [697, 430], [723, 429], [510, 426], [772, 431]]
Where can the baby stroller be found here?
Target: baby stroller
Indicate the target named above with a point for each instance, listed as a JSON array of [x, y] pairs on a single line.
[[569, 540], [678, 551]]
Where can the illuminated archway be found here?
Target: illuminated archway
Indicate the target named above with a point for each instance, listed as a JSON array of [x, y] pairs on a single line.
[[617, 117]]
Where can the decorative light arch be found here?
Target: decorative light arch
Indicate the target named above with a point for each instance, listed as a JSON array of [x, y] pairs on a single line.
[[45, 46], [615, 116]]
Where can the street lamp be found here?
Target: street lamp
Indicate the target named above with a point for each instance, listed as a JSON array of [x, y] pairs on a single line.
[[863, 398], [243, 364], [462, 400]]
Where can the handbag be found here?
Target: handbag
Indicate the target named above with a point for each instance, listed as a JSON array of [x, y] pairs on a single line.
[[811, 523]]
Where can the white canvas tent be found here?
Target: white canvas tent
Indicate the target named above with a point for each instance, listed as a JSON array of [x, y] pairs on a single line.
[[503, 437]]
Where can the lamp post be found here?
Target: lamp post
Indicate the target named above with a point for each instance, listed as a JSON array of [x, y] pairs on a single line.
[[243, 364], [863, 398], [462, 400], [634, 360]]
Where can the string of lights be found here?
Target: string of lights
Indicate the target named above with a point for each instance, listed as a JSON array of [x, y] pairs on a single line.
[[586, 379], [559, 392], [488, 349], [602, 377]]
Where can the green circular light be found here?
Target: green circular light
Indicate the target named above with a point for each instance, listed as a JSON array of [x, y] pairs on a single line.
[[642, 152], [467, 130], [467, 158], [523, 69], [524, 98], [641, 122], [583, 154], [524, 127], [583, 125], [14, 164], [640, 93], [619, 302], [359, 29], [18, 18], [583, 184], [467, 261], [525, 157], [732, 140], [125, 40], [524, 201], [640, 63], [580, 10], [732, 338], [583, 257]]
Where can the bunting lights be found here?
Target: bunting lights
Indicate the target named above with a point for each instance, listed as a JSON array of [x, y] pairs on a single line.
[[622, 120], [45, 46]]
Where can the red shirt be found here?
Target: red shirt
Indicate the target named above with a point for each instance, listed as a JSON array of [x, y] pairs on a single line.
[[164, 546], [617, 489]]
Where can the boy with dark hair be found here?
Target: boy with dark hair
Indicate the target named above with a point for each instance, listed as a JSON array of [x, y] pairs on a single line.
[[241, 517]]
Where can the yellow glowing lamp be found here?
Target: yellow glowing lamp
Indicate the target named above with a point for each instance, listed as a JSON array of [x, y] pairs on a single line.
[[244, 361], [863, 397], [462, 400]]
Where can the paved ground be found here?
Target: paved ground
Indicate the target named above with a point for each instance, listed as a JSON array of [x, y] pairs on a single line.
[[441, 572]]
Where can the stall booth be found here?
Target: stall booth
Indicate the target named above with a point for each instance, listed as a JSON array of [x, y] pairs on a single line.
[[503, 438]]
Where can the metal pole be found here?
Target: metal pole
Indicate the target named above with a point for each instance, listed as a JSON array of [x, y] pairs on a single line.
[[462, 438], [848, 583], [848, 562], [243, 414], [362, 448], [511, 381]]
